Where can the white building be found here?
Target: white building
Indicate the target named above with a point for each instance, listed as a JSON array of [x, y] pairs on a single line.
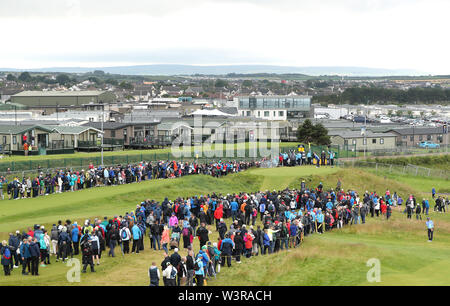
[[274, 107]]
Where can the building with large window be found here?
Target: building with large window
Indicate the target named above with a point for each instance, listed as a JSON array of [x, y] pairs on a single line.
[[274, 107]]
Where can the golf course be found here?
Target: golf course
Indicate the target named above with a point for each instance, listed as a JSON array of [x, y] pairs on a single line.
[[337, 257]]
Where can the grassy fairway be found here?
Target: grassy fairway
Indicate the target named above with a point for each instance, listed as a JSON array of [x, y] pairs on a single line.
[[422, 184], [335, 258]]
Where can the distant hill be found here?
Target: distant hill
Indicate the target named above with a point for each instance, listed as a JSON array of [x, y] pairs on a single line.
[[169, 69]]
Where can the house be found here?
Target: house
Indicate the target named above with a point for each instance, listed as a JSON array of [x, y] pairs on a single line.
[[194, 91], [40, 138], [168, 131], [126, 134], [116, 131], [355, 140], [74, 136], [412, 136]]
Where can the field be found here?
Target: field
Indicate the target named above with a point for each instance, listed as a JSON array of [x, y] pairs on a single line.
[[335, 258]]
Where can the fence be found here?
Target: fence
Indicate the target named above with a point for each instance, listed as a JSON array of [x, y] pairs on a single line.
[[201, 160], [381, 168], [83, 162], [409, 151], [33, 166]]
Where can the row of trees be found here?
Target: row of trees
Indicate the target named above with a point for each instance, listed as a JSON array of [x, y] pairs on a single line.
[[67, 80], [378, 95], [26, 77]]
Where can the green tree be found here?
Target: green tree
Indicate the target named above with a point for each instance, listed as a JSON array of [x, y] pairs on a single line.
[[112, 82], [316, 134], [305, 132], [320, 135], [62, 79], [25, 77], [390, 112], [11, 77], [126, 85], [95, 80], [247, 83], [399, 113], [220, 83]]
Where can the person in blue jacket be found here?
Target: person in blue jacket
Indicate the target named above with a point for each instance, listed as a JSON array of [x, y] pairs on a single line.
[[234, 208], [329, 205], [266, 242], [136, 232], [199, 272], [262, 209], [227, 247], [75, 234], [25, 254], [293, 235], [35, 253], [320, 219]]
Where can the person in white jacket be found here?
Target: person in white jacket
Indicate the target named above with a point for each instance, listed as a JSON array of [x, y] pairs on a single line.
[[125, 235], [170, 274]]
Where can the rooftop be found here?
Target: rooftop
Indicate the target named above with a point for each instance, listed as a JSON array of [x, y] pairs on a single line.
[[357, 134], [88, 93]]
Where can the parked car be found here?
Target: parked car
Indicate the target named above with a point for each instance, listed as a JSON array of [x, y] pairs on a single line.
[[429, 145]]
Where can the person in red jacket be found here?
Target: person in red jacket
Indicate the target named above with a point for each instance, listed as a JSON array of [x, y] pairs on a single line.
[[248, 242], [383, 207], [218, 214]]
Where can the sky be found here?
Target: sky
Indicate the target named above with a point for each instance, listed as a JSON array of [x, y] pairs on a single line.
[[390, 34]]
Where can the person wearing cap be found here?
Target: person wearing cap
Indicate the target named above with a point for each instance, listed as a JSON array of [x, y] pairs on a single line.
[[175, 258], [430, 229], [204, 256], [222, 229], [418, 212], [170, 274]]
